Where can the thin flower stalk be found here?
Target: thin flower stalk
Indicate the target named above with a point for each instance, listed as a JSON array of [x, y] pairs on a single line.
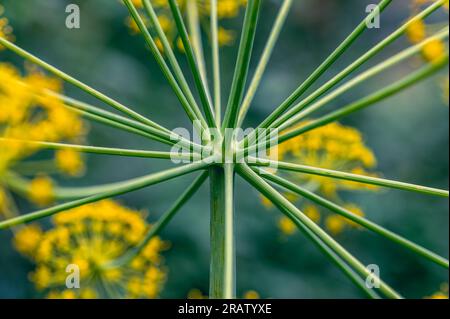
[[357, 219], [202, 87]]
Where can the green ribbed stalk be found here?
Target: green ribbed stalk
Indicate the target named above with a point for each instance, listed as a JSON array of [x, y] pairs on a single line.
[[222, 272]]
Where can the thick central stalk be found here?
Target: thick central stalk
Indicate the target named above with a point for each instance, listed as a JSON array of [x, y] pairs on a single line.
[[223, 261]]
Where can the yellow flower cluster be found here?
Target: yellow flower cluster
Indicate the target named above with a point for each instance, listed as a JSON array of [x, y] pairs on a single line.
[[226, 9], [89, 237], [335, 147], [27, 113], [198, 294]]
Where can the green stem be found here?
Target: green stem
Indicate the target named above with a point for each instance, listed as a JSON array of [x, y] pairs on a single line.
[[303, 222], [222, 272], [156, 228], [118, 106], [357, 219], [242, 63], [262, 65], [350, 177], [200, 84], [121, 188]]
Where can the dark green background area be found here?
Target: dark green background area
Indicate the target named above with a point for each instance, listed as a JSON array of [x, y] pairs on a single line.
[[408, 133]]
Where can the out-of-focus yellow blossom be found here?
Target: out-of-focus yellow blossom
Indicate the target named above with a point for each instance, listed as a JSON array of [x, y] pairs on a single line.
[[441, 294], [418, 30], [69, 162], [198, 294], [27, 238], [41, 191], [434, 50], [335, 147], [226, 9], [28, 113], [287, 226], [89, 237]]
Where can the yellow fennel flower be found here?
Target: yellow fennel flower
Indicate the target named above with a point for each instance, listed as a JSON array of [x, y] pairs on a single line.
[[335, 224], [41, 191], [226, 9], [335, 147], [29, 113], [27, 238], [69, 162], [441, 294], [90, 237]]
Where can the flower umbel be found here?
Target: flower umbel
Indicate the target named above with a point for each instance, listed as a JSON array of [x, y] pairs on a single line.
[[89, 237]]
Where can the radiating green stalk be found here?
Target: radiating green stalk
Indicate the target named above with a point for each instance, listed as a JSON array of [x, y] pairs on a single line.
[[349, 177], [178, 73], [242, 63], [392, 61], [216, 63], [114, 120], [303, 222], [382, 94], [357, 219], [122, 188], [105, 150], [201, 85], [329, 61], [355, 65], [222, 272], [267, 53], [196, 38], [157, 227], [118, 106], [188, 108]]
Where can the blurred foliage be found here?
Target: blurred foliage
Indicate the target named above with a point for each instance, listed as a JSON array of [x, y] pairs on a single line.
[[408, 134]]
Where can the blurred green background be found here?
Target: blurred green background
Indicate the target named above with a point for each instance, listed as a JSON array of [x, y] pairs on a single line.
[[408, 133]]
